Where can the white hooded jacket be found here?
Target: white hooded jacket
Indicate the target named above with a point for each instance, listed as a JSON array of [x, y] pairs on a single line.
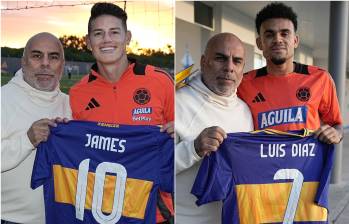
[[198, 108], [21, 105]]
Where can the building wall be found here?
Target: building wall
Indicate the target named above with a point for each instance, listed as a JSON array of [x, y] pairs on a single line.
[[303, 54], [345, 107], [249, 59], [188, 36], [228, 19], [239, 24], [185, 11]]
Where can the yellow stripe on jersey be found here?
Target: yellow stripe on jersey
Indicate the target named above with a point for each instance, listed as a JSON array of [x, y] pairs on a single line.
[[306, 132], [137, 191], [266, 203]]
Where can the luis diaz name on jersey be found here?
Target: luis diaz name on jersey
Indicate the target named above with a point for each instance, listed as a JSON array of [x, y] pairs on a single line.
[[282, 116], [140, 114]]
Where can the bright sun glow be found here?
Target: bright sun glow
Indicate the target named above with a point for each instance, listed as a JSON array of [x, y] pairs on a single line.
[[151, 22]]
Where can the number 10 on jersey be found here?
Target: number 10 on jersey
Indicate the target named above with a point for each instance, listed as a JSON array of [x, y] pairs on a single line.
[[100, 175]]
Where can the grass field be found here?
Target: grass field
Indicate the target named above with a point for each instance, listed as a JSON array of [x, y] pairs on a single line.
[[65, 82]]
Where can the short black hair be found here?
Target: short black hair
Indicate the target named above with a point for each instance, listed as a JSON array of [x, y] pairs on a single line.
[[105, 8], [276, 10]]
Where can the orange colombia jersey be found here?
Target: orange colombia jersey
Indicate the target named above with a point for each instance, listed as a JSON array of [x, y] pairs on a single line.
[[301, 99], [144, 95]]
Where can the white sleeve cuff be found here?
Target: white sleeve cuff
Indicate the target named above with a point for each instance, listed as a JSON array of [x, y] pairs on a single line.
[[193, 151], [26, 143], [185, 156]]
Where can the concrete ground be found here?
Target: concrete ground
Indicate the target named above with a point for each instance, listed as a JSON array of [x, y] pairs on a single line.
[[339, 193]]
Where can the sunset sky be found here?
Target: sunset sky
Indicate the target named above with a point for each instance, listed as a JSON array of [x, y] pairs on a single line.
[[151, 22]]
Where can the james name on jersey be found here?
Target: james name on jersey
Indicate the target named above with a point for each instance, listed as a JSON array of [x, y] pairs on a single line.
[[105, 143], [91, 172]]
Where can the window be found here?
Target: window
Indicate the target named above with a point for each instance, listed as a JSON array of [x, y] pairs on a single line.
[[203, 14]]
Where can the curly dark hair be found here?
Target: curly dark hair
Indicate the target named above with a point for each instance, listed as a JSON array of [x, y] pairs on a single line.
[[104, 8], [276, 10]]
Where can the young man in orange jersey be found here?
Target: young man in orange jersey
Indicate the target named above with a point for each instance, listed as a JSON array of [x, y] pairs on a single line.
[[286, 95], [119, 89]]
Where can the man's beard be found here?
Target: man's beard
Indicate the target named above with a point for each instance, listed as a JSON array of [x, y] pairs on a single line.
[[278, 61]]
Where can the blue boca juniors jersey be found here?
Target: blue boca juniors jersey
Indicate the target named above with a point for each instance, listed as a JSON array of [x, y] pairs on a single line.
[[267, 178], [103, 173]]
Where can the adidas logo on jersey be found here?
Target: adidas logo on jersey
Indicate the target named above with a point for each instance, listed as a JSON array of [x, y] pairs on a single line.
[[92, 104], [282, 116], [259, 98]]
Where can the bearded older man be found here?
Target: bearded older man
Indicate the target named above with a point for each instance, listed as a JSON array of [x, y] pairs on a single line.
[[31, 104], [207, 108]]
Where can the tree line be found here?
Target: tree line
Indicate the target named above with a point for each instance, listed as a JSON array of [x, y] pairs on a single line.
[[75, 49]]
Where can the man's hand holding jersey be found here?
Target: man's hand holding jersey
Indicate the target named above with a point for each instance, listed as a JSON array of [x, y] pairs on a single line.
[[329, 135], [40, 130], [209, 140], [169, 128]]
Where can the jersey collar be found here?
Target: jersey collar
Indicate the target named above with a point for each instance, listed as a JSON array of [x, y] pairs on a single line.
[[298, 68], [138, 69]]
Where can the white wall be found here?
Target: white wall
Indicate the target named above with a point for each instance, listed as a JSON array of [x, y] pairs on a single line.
[[239, 24], [303, 54], [249, 59], [187, 34], [228, 19], [185, 11], [345, 108]]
